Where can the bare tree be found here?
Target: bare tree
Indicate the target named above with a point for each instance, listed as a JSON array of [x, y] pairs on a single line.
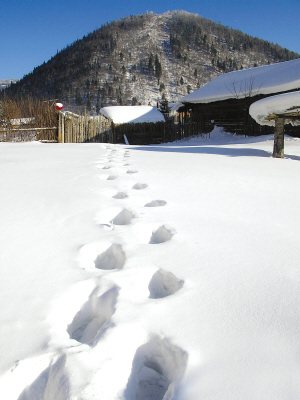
[[244, 88]]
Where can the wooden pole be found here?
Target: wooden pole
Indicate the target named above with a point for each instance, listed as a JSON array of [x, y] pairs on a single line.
[[62, 128], [59, 128], [278, 150]]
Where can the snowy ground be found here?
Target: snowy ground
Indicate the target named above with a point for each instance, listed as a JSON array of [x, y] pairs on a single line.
[[141, 273]]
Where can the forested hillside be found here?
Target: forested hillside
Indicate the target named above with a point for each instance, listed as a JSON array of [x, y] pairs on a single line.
[[145, 58]]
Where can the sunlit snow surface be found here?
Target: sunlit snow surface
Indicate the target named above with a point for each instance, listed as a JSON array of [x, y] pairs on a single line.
[[180, 281]]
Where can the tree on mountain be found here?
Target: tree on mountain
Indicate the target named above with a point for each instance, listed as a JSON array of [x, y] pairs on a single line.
[[158, 70], [162, 87], [78, 98], [151, 64], [88, 102]]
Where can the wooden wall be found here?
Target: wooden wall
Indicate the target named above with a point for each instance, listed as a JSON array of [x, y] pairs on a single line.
[[233, 115]]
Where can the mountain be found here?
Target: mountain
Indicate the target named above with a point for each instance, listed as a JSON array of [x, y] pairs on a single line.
[[146, 58], [6, 82]]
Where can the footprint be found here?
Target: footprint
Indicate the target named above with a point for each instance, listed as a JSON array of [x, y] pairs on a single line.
[[52, 383], [132, 171], [107, 167], [163, 284], [111, 177], [156, 367], [126, 165], [156, 203], [93, 315], [139, 186], [161, 235], [123, 218], [112, 258], [120, 195]]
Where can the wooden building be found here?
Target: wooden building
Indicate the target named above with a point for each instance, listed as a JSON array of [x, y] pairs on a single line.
[[225, 101], [136, 124]]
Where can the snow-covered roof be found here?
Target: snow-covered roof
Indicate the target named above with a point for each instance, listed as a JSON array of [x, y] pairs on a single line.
[[274, 78], [132, 114], [283, 104]]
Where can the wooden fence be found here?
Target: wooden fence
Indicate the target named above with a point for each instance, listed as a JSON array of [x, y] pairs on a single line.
[[73, 128], [28, 134]]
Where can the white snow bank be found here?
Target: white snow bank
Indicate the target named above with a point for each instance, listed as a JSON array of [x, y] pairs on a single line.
[[267, 79], [280, 104], [133, 114], [180, 281]]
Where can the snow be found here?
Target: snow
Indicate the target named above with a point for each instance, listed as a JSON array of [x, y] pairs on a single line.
[[274, 78], [280, 104], [24, 121], [179, 281], [132, 114]]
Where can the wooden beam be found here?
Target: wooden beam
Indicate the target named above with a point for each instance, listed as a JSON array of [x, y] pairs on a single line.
[[29, 129], [278, 150]]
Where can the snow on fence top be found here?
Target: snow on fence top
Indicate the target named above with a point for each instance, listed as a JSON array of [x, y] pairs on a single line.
[[132, 114], [22, 121], [287, 104], [274, 78]]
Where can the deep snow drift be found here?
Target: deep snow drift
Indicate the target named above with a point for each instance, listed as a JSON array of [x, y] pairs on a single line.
[[177, 280]]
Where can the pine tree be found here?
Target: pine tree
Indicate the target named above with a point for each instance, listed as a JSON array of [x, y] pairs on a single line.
[[150, 64], [158, 70]]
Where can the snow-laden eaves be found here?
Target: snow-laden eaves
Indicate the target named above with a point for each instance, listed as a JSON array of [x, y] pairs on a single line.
[[286, 104], [174, 107], [268, 79], [132, 114]]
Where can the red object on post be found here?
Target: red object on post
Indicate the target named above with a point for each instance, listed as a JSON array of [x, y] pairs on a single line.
[[59, 106]]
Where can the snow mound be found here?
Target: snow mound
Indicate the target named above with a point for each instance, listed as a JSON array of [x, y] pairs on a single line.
[[120, 195], [156, 203], [163, 284], [132, 114], [139, 186], [113, 258], [161, 235], [123, 218]]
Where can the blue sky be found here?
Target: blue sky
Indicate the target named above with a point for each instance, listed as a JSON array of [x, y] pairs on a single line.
[[32, 31]]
